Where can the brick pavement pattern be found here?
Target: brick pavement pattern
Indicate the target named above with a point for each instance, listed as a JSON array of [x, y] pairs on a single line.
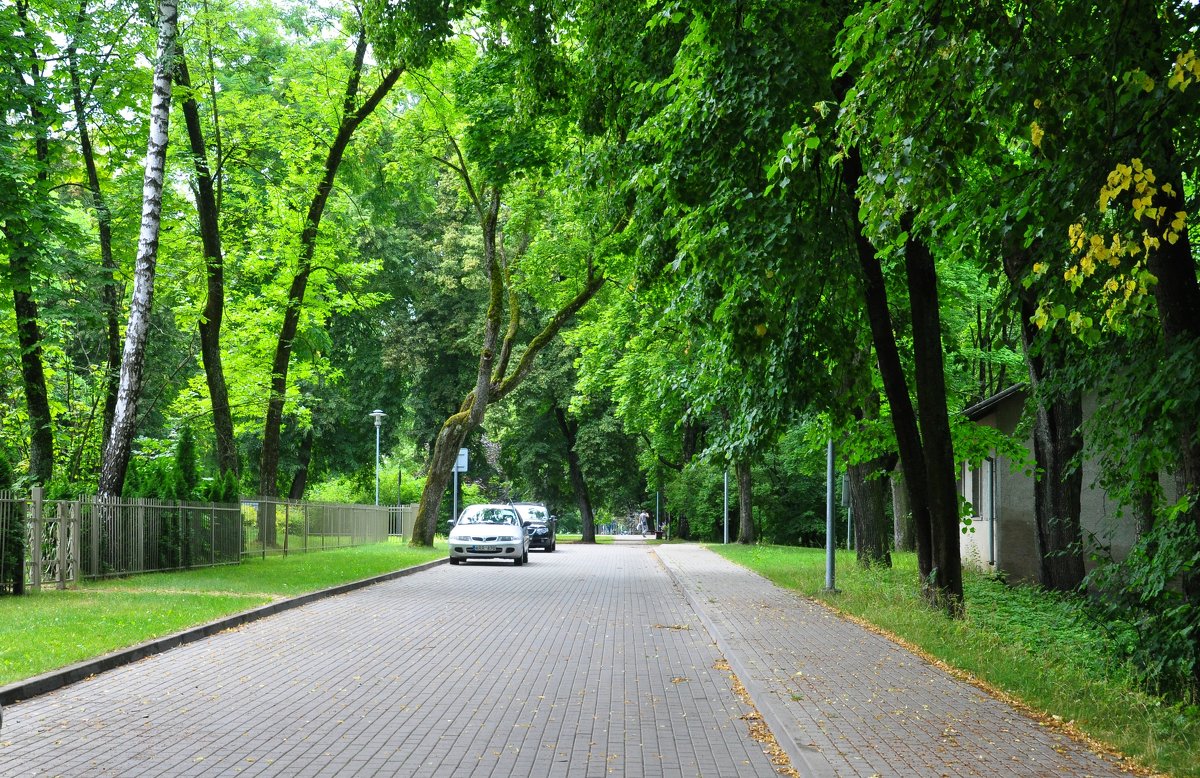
[[845, 701], [592, 661], [585, 662]]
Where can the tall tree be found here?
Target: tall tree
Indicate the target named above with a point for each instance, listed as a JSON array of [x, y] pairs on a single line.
[[119, 447], [1057, 439], [493, 381], [108, 290], [24, 232], [208, 210], [353, 114], [579, 486]]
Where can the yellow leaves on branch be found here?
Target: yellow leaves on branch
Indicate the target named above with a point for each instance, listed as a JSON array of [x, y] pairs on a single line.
[[1139, 180], [1116, 260], [1036, 133], [1186, 70]]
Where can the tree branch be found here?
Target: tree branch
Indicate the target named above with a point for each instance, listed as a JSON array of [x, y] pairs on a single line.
[[546, 335]]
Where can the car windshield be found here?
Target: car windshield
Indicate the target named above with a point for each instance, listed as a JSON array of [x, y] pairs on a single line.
[[481, 514], [532, 512]]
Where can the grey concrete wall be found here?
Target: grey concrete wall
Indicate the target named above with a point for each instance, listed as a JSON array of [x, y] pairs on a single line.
[[1015, 540]]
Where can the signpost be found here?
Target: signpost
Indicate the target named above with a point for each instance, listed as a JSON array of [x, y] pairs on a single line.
[[460, 466]]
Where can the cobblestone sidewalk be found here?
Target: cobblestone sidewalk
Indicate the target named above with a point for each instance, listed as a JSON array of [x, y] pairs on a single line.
[[845, 701]]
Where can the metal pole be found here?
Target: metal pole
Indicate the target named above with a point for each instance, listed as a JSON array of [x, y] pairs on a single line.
[[378, 416], [849, 517], [657, 522], [454, 513], [830, 532], [991, 471], [727, 505]]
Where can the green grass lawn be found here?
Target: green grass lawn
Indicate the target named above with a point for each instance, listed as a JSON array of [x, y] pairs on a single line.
[[50, 629], [567, 537], [1034, 646]]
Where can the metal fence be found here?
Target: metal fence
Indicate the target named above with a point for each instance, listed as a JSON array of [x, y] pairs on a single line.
[[118, 537], [280, 526], [68, 540], [401, 519]]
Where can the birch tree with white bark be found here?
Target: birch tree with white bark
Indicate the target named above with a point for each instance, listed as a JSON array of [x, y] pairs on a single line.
[[119, 444]]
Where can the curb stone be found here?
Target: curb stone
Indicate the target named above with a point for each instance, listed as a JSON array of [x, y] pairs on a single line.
[[64, 676]]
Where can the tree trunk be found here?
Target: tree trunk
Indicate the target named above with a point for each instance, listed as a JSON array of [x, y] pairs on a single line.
[[108, 265], [120, 441], [22, 255], [491, 383], [351, 119], [1144, 501], [1056, 442], [746, 529], [1057, 492], [692, 435], [33, 375], [578, 482], [441, 468], [868, 498], [936, 444], [904, 419], [300, 479], [214, 271], [902, 525], [470, 414]]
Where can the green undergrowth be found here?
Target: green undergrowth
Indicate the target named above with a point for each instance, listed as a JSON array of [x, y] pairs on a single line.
[[1035, 646], [50, 629]]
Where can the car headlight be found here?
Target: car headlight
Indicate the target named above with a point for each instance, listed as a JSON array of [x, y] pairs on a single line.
[[506, 538], [456, 538]]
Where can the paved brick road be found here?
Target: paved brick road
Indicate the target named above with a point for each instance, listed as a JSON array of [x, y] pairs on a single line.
[[585, 662], [617, 648]]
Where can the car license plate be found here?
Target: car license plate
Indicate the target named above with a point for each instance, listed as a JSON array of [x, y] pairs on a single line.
[[485, 549]]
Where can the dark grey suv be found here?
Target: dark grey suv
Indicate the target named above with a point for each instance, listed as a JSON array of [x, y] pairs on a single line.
[[541, 526]]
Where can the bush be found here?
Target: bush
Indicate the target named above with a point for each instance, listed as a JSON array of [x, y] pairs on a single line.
[[1139, 602]]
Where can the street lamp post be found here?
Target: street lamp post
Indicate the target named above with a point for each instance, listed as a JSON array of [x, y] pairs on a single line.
[[378, 416], [725, 503]]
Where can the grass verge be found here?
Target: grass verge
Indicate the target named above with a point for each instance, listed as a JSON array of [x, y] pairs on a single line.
[[51, 629], [567, 537], [1037, 647]]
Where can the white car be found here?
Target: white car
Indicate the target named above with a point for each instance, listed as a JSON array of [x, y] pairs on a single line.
[[489, 532]]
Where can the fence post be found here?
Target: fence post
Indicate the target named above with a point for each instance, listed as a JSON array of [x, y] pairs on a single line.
[[35, 546], [287, 516], [94, 534], [139, 530], [62, 544], [77, 544]]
